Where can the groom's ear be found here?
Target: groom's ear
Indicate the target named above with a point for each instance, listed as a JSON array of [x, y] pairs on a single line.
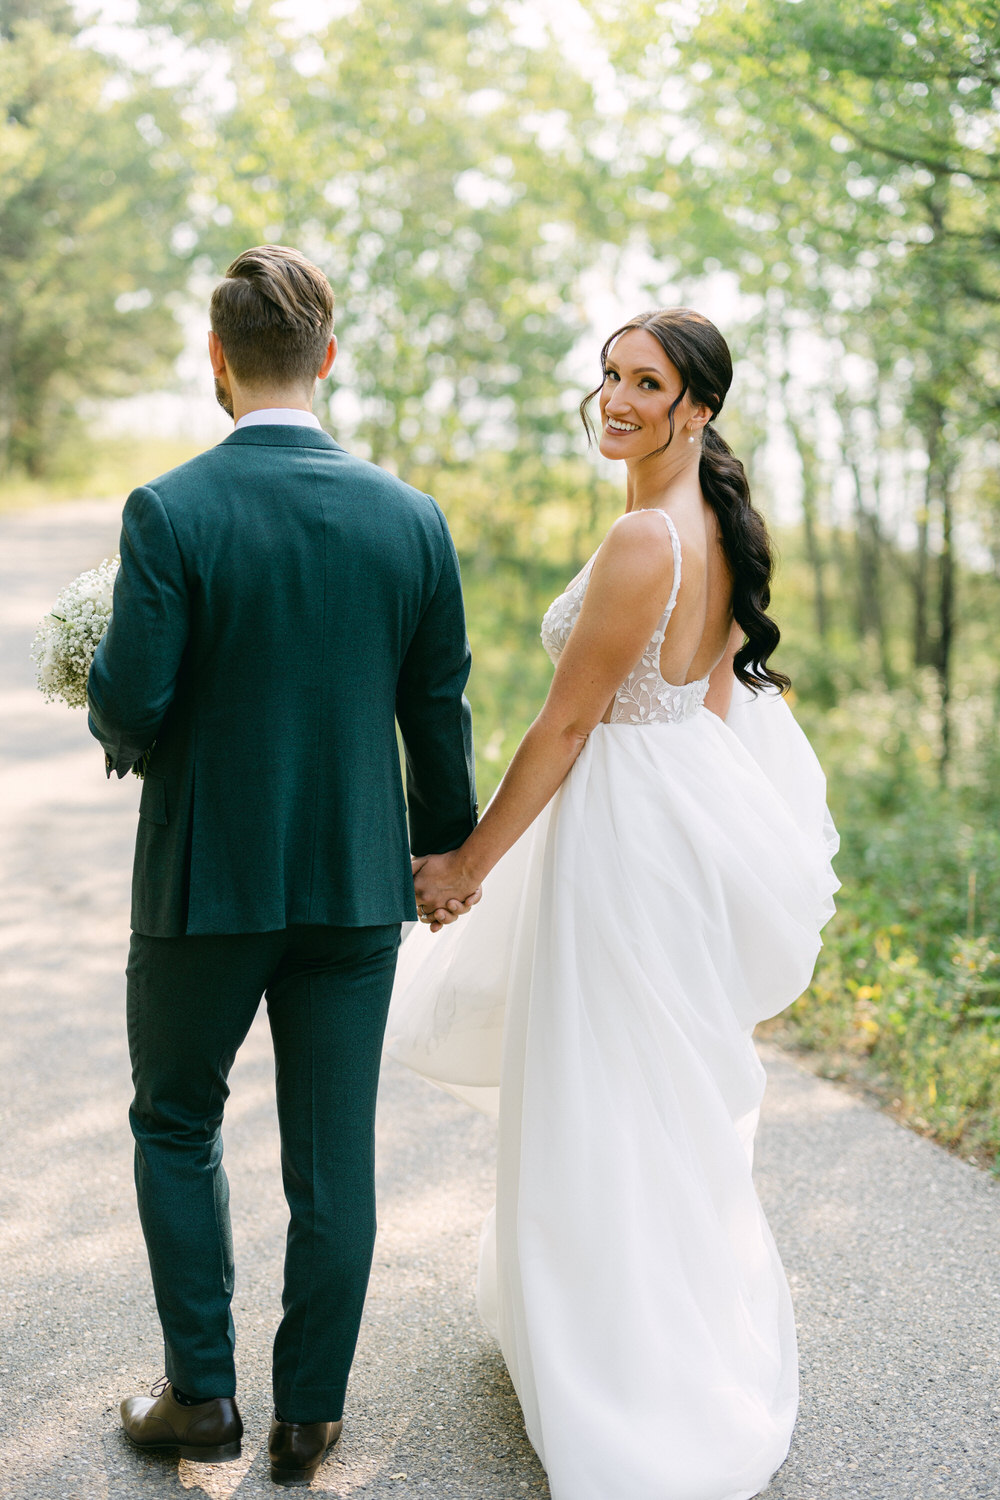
[[216, 354], [328, 359]]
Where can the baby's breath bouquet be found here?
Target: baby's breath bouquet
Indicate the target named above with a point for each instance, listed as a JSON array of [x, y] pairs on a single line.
[[67, 638]]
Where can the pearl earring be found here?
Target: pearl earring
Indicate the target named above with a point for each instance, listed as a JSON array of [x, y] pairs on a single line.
[[691, 438]]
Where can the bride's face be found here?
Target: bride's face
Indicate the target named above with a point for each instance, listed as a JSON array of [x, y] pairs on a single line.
[[640, 386]]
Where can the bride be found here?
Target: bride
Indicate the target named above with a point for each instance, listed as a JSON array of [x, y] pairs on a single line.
[[655, 883]]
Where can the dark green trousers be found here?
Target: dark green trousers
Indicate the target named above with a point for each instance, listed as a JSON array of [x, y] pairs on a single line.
[[191, 1001]]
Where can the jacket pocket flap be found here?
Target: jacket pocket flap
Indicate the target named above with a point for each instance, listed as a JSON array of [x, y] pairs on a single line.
[[153, 802]]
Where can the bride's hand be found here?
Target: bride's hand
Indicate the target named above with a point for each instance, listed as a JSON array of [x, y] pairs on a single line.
[[443, 891]]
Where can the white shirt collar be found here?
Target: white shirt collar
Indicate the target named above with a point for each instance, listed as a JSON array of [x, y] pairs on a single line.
[[275, 416]]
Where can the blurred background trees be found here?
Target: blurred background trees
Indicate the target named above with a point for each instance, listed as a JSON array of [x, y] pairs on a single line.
[[93, 178], [443, 172], [490, 187]]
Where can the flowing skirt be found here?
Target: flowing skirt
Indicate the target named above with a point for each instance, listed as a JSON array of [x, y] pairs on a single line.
[[601, 998]]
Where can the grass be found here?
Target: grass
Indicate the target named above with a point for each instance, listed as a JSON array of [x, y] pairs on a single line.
[[905, 1001]]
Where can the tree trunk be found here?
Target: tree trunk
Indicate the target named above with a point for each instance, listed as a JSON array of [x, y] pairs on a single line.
[[946, 618], [933, 638], [924, 654], [806, 450], [868, 553], [6, 395]]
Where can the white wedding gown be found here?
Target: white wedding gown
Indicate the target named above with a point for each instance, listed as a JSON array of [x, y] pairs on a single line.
[[603, 994]]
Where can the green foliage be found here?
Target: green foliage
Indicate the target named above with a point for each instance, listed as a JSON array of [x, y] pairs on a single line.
[[906, 996], [90, 189], [523, 529], [885, 108], [441, 172]]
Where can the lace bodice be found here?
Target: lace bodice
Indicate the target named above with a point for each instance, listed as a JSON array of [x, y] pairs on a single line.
[[644, 697]]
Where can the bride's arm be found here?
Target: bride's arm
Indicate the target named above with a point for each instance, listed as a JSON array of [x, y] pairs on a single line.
[[628, 590]]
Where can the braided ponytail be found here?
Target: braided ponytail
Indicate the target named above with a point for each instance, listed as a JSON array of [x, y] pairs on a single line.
[[699, 353]]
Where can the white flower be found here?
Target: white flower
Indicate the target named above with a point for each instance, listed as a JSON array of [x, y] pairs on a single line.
[[64, 645]]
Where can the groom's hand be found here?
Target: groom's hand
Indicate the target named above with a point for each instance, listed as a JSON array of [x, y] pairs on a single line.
[[441, 890]]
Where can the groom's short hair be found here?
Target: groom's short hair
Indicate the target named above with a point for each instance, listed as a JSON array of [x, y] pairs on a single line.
[[274, 317]]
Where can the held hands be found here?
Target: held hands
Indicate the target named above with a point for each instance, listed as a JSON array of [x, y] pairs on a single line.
[[442, 889]]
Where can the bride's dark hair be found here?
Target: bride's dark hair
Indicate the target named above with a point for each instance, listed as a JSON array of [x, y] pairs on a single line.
[[699, 353]]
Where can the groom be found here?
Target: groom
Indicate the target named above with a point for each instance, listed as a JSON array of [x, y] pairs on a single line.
[[280, 608]]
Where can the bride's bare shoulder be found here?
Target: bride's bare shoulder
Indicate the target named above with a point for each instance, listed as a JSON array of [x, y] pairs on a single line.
[[639, 529], [637, 544]]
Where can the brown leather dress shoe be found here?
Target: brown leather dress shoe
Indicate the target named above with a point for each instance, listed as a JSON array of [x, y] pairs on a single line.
[[297, 1448], [209, 1432]]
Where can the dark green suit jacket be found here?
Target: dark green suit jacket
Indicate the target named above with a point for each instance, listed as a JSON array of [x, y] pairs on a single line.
[[280, 605]]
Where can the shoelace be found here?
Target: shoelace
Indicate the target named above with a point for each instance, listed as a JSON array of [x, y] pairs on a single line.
[[159, 1387]]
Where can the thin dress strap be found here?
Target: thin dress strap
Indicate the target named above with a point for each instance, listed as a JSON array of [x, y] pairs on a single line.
[[675, 543]]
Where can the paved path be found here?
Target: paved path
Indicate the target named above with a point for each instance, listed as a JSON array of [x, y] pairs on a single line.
[[892, 1247]]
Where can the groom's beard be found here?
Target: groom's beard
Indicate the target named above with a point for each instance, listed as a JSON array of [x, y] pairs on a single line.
[[223, 397]]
